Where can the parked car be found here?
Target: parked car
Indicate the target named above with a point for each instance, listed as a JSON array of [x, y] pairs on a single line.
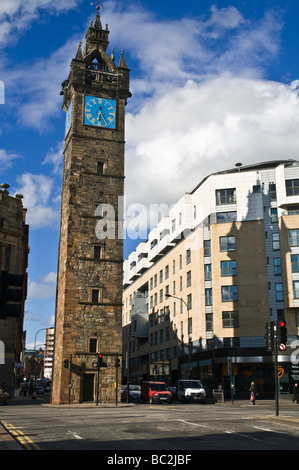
[[190, 390], [155, 392], [134, 392], [4, 397]]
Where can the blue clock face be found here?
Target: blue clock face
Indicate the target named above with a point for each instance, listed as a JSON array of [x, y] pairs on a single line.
[[99, 112], [68, 119]]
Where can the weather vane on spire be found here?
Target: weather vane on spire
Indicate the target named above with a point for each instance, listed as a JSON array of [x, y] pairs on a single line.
[[98, 5]]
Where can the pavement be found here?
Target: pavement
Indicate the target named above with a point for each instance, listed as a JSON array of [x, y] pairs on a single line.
[[9, 442]]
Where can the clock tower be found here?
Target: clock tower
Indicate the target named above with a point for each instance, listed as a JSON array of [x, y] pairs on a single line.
[[89, 280]]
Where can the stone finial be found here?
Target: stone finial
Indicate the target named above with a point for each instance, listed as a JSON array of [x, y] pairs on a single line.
[[122, 63], [79, 55], [4, 187]]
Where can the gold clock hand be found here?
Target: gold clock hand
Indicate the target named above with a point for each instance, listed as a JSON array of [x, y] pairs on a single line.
[[101, 114]]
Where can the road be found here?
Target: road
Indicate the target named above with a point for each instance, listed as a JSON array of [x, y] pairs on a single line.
[[172, 428]]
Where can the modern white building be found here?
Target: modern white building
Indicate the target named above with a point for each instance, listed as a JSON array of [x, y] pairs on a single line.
[[222, 263]]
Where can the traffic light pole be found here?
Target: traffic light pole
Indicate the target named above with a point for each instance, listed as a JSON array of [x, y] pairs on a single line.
[[116, 378], [276, 368], [70, 380]]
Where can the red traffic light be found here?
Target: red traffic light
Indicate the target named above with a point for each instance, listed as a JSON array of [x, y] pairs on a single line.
[[282, 324]]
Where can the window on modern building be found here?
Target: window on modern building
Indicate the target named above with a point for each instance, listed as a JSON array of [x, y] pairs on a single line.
[[155, 280], [207, 247], [161, 295], [167, 272], [295, 263], [228, 268], [188, 256], [230, 319], [294, 237], [189, 326], [256, 189], [167, 313], [181, 283], [188, 281], [154, 243], [275, 241], [292, 187], [297, 317], [226, 196], [279, 292], [208, 297], [173, 267], [228, 243], [181, 261], [209, 322], [223, 217], [273, 215], [161, 276], [296, 289], [164, 233], [167, 335], [173, 225], [161, 336], [229, 293], [173, 288], [189, 301], [277, 266], [208, 272], [272, 191]]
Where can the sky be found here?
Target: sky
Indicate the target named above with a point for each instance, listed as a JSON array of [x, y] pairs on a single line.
[[213, 83]]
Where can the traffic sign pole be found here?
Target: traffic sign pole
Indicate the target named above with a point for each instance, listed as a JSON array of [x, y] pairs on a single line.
[[276, 369]]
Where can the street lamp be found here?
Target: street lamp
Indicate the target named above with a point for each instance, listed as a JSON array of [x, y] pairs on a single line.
[[189, 339], [38, 332]]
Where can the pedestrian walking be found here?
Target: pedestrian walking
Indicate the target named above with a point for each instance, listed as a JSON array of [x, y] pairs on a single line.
[[253, 393], [295, 393]]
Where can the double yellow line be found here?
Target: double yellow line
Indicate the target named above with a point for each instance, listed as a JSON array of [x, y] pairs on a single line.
[[24, 440]]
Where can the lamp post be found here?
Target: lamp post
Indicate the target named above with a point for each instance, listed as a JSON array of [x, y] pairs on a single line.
[[38, 332], [189, 339]]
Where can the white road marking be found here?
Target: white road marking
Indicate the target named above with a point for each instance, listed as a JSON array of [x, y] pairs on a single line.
[[75, 435], [193, 424]]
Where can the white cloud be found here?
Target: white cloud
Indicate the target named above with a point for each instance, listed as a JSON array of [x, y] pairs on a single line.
[[17, 15], [45, 289], [40, 200], [7, 159], [192, 131], [55, 157]]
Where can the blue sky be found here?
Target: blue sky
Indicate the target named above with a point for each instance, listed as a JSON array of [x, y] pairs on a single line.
[[213, 83]]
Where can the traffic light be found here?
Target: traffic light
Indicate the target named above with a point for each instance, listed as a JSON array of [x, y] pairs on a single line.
[[11, 294], [282, 335], [269, 336], [100, 361], [117, 362]]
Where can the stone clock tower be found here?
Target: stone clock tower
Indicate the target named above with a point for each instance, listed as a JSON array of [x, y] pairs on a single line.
[[89, 283]]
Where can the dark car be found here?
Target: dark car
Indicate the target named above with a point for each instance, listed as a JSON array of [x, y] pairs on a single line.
[[134, 393]]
